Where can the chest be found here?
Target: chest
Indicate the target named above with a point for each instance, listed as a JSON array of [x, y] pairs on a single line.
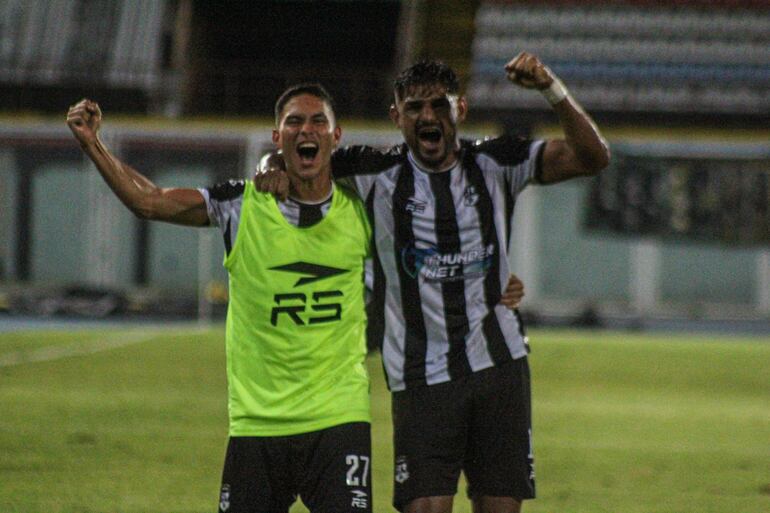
[[451, 206]]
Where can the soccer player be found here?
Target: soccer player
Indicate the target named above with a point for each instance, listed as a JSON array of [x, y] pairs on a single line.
[[298, 389], [454, 356]]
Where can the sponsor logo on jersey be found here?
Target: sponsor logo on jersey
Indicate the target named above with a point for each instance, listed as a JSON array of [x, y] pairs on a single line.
[[314, 272], [312, 308], [436, 266]]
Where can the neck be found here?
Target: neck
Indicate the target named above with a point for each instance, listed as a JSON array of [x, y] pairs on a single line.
[[312, 202], [439, 168], [310, 191]]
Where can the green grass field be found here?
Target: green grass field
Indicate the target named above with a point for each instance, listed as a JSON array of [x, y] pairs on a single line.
[[121, 421]]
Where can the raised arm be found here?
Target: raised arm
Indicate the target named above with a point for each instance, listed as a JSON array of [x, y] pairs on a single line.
[[145, 199], [583, 151]]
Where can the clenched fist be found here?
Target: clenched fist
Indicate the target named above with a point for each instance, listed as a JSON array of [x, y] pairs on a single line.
[[84, 119], [527, 71]]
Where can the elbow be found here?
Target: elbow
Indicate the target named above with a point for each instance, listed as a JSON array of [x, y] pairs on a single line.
[[143, 210], [143, 215], [598, 162]]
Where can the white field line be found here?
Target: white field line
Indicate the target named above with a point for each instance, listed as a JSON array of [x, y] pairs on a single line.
[[46, 354]]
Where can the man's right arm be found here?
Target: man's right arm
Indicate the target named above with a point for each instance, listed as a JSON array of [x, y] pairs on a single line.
[[145, 199]]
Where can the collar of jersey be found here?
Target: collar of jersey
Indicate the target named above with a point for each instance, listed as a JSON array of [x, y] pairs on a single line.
[[417, 165], [313, 203], [304, 228]]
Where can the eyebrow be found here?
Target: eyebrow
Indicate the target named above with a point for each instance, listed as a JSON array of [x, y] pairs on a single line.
[[315, 117], [441, 100]]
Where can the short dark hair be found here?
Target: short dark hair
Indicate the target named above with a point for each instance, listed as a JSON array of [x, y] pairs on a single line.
[[311, 88], [426, 72]]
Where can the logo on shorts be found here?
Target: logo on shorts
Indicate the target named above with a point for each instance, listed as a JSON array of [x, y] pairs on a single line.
[[224, 498], [402, 470], [360, 499]]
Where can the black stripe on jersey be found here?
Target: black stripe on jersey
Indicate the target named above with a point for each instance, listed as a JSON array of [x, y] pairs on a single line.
[[416, 342], [509, 203], [452, 292], [522, 329], [375, 308], [228, 237], [539, 164], [227, 190], [492, 290], [309, 214]]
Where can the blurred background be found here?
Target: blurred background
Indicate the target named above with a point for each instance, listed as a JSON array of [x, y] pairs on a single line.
[[675, 234]]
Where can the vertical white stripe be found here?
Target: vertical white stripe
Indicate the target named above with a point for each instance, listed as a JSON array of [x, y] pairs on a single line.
[[431, 297], [393, 349], [471, 238]]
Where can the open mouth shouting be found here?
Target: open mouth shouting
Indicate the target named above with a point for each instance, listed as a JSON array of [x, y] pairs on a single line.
[[430, 138], [307, 152]]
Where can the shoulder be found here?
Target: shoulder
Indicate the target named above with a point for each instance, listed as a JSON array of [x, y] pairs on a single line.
[[505, 150], [358, 150], [358, 160], [227, 191]]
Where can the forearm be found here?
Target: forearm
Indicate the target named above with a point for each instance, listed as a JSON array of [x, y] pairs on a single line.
[[135, 190], [583, 151], [145, 199]]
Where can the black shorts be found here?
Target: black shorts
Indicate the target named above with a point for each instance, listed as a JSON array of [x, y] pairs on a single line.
[[329, 469], [480, 424]]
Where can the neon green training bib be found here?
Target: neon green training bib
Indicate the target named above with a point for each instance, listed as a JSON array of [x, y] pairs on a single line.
[[296, 321]]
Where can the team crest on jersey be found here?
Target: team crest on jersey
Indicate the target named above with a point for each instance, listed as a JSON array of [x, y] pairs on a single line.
[[470, 196], [402, 470], [224, 498]]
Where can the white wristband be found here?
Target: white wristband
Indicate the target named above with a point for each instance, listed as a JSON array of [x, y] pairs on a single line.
[[556, 92]]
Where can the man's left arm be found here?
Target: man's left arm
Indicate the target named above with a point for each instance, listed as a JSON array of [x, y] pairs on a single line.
[[583, 151]]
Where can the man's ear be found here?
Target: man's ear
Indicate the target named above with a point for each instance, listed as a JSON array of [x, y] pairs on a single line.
[[276, 137], [337, 135], [393, 113], [462, 109]]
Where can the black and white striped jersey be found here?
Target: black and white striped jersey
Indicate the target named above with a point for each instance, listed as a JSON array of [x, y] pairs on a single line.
[[441, 256], [224, 200]]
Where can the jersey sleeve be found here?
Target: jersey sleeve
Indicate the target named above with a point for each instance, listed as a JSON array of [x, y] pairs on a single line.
[[223, 204], [364, 160], [357, 167], [518, 158]]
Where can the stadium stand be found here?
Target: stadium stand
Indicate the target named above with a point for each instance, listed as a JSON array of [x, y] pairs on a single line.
[[49, 47], [676, 57]]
